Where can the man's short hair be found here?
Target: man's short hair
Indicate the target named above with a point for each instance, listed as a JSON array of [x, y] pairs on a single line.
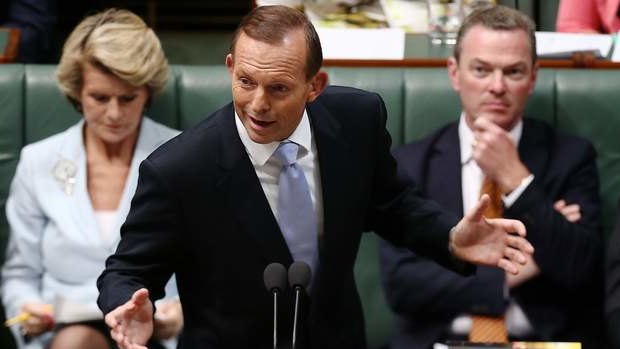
[[270, 24], [497, 17]]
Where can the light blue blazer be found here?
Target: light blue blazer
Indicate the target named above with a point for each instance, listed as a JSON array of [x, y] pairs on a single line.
[[55, 247]]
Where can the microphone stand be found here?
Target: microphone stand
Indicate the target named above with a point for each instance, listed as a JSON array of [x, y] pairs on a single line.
[[297, 297], [275, 318]]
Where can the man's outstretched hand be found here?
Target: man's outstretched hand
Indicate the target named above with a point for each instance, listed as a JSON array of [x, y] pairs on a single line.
[[131, 324], [490, 241]]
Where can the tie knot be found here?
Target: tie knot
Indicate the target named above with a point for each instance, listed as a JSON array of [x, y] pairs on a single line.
[[287, 152]]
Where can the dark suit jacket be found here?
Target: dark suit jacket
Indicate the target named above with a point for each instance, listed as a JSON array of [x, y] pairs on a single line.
[[563, 302], [199, 211], [612, 303]]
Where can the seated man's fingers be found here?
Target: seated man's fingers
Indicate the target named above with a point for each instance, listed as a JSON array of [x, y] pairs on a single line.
[[519, 243], [508, 225], [559, 205], [514, 255], [507, 266], [574, 217]]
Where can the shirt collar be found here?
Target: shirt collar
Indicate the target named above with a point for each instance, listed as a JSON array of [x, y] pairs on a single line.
[[260, 153], [466, 137]]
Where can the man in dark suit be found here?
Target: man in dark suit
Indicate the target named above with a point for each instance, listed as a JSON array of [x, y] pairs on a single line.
[[207, 205], [547, 179]]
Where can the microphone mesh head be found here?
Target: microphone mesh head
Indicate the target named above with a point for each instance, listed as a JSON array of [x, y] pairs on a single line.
[[274, 277], [299, 274]]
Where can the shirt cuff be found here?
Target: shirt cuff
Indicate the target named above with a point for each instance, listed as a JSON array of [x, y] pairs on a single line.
[[510, 199]]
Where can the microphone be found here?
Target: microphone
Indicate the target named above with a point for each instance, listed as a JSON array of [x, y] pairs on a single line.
[[274, 277], [299, 275]]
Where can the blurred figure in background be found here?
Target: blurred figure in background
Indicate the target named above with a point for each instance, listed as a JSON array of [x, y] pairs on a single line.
[[36, 21], [588, 16], [72, 191]]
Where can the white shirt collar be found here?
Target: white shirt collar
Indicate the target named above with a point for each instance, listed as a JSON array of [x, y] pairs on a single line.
[[260, 153], [466, 137]]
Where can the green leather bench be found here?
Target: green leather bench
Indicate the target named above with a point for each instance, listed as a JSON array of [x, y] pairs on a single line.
[[418, 100]]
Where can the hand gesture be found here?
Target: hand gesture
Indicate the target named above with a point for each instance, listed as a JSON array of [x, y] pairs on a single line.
[[40, 318], [131, 324], [168, 319], [497, 155], [496, 242]]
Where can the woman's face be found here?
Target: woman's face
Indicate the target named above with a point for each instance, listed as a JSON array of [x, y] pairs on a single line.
[[112, 108]]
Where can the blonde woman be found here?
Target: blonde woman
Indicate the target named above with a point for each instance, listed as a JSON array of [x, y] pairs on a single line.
[[72, 191]]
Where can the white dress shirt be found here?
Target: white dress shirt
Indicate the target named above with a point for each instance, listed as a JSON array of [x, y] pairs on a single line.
[[268, 167], [471, 179]]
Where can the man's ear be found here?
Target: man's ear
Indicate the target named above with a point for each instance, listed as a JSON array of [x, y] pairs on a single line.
[[453, 72], [318, 83], [229, 63]]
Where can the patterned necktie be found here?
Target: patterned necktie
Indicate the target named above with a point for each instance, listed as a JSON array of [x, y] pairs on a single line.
[[490, 329], [295, 209]]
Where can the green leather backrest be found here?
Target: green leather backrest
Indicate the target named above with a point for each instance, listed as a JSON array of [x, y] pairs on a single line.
[[46, 111], [587, 106], [431, 103], [202, 90], [387, 82]]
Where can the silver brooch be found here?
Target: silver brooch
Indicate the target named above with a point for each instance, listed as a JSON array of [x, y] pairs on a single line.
[[64, 171]]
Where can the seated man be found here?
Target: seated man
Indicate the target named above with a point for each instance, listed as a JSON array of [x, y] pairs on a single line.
[[547, 179]]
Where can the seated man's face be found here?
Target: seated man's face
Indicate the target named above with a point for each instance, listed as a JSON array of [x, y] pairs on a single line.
[[494, 75], [269, 85]]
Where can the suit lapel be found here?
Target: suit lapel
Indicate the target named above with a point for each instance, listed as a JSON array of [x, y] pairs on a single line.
[[335, 172], [444, 177], [81, 211], [244, 194]]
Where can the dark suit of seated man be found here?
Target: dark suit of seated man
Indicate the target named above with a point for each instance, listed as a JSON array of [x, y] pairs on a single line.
[[547, 179], [612, 298], [208, 208]]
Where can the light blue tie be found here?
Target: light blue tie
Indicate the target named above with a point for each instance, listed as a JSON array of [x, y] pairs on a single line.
[[295, 210]]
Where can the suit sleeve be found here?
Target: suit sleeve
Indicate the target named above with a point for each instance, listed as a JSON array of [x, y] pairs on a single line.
[[566, 253], [416, 286], [23, 268], [145, 255], [399, 214]]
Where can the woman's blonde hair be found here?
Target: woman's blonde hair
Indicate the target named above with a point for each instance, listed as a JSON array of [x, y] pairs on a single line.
[[117, 42]]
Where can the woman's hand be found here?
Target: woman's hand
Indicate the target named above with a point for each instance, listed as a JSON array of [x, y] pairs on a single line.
[[40, 319]]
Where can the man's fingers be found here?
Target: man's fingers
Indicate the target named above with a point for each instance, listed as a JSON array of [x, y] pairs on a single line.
[[482, 124], [559, 205], [515, 255], [508, 266], [477, 212], [520, 243], [509, 225], [573, 218]]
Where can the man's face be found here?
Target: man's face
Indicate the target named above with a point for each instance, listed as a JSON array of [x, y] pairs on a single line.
[[495, 75], [269, 85]]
